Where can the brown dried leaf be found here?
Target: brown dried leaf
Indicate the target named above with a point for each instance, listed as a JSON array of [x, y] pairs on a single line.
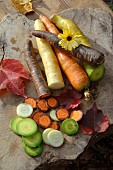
[[23, 6]]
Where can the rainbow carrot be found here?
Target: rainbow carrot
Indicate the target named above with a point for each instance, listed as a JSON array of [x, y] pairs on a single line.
[[36, 74], [74, 72]]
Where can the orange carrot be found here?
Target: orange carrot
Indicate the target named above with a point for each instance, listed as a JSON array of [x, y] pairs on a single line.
[[54, 125], [44, 121], [76, 115], [74, 72], [52, 102], [31, 101], [62, 114], [48, 24], [42, 105], [36, 116]]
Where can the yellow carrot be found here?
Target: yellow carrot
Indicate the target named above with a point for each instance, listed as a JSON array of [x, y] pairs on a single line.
[[51, 66]]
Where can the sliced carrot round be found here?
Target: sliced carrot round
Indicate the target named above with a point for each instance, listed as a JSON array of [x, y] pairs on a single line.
[[31, 101], [44, 121], [42, 105], [54, 125], [52, 102], [62, 114], [36, 116], [76, 115]]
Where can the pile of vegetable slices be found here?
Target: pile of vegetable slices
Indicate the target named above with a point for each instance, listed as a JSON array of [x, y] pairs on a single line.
[[43, 121]]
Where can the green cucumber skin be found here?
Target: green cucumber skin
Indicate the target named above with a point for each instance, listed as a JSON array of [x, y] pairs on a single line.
[[96, 76], [33, 151], [33, 140], [67, 122], [27, 132], [13, 123], [94, 73]]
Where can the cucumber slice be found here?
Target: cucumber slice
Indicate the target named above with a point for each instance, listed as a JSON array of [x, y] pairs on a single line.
[[33, 151], [44, 135], [13, 123], [69, 126], [94, 73], [26, 127], [24, 110], [55, 138], [53, 115], [33, 140]]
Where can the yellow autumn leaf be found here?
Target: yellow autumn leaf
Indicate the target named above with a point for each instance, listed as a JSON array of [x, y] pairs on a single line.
[[23, 6]]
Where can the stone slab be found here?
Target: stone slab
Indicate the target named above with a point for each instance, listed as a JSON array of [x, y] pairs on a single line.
[[15, 28]]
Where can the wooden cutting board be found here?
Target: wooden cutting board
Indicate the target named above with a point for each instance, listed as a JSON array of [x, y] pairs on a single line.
[[15, 28]]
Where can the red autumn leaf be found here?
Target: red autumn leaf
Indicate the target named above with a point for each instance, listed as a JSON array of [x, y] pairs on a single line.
[[69, 98], [12, 73], [74, 104], [86, 130], [94, 121]]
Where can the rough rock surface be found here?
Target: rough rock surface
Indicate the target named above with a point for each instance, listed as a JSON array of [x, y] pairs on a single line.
[[14, 31]]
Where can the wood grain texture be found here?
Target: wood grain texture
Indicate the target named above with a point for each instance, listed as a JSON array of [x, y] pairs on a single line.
[[49, 7]]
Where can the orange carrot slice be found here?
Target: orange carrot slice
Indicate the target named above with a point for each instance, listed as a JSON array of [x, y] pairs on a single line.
[[36, 116], [31, 101], [54, 125], [42, 105], [44, 121], [76, 115], [52, 102], [62, 114]]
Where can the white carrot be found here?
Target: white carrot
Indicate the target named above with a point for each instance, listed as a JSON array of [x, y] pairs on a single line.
[[51, 66]]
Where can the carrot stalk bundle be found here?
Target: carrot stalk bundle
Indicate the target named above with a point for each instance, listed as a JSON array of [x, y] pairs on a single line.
[[36, 74], [51, 66], [75, 74], [82, 52]]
